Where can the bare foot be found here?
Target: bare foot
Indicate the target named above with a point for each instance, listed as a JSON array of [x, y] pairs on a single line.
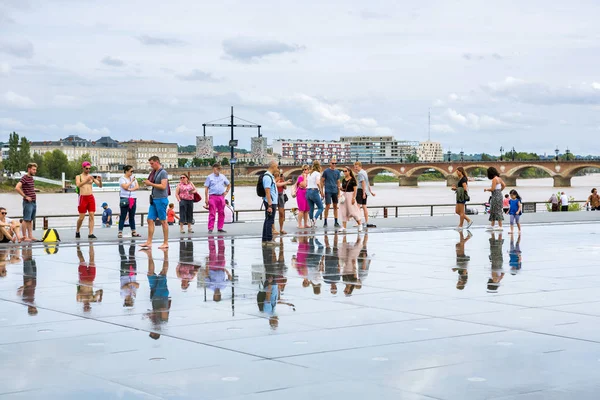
[[283, 232], [146, 244], [164, 246], [34, 239], [27, 240]]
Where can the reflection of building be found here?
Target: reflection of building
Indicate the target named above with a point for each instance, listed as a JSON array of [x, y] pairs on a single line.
[[105, 153], [204, 147], [430, 151], [379, 149], [139, 151], [305, 151]]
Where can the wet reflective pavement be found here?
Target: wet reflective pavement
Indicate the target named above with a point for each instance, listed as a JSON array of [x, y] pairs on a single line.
[[386, 315]]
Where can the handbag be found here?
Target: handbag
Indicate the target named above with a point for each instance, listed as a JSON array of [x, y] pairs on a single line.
[[197, 197], [467, 198], [285, 198], [124, 203]]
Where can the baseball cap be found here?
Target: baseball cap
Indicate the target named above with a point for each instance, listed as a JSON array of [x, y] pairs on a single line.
[[86, 164], [104, 204]]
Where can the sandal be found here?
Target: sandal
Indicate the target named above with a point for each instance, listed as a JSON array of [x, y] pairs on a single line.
[[120, 235], [135, 234], [182, 232], [190, 231]]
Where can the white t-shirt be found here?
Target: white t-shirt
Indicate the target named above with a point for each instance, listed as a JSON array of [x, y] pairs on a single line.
[[564, 200], [313, 179], [126, 193]]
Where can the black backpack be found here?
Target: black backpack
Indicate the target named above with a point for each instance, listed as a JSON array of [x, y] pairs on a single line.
[[260, 189]]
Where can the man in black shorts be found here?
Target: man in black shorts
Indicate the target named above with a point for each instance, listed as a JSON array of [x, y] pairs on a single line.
[[362, 180]]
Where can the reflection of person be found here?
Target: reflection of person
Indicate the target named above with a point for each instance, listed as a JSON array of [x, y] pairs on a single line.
[[27, 291], [299, 260], [159, 293], [128, 282], [364, 260], [314, 263], [496, 260], [349, 264], [462, 261], [331, 274], [268, 298], [216, 276], [515, 255], [186, 270], [87, 275]]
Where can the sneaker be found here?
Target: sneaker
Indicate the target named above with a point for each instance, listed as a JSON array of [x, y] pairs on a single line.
[[489, 228], [469, 224], [360, 228], [210, 231], [342, 229], [337, 225], [222, 231], [459, 228], [77, 235], [92, 236]]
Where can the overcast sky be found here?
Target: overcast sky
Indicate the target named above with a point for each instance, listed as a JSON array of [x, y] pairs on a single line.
[[505, 73]]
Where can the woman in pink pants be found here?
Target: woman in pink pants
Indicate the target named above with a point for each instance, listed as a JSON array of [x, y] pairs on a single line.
[[347, 203]]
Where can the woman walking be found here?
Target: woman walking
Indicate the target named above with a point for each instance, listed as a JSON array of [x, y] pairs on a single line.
[[300, 194], [462, 196], [593, 201], [128, 200], [496, 213], [314, 193], [347, 202], [185, 196]]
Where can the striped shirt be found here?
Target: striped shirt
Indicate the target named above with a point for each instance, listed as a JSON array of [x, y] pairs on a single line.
[[27, 186]]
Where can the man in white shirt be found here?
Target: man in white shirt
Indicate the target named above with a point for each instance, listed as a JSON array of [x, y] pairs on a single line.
[[564, 202]]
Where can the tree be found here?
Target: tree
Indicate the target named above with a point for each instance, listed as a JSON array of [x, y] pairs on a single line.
[[182, 162], [12, 161], [225, 161], [487, 157], [196, 162], [39, 160], [55, 163], [412, 158], [24, 154]]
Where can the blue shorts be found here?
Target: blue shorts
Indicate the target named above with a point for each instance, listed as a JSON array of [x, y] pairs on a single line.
[[514, 218], [29, 210], [331, 198], [158, 210]]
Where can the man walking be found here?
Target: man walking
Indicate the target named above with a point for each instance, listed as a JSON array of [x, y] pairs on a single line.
[[329, 180], [216, 188], [26, 188], [362, 180], [269, 202], [87, 202], [159, 200]]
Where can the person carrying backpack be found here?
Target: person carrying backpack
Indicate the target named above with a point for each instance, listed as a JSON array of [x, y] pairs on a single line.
[[267, 189]]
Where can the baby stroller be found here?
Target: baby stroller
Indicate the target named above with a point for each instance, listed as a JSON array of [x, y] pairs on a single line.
[[487, 206]]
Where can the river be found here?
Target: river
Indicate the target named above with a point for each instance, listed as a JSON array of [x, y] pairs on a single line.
[[386, 194]]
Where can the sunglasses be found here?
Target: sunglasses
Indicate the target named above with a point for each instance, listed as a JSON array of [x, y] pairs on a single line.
[[182, 177], [3, 213], [345, 170], [86, 168]]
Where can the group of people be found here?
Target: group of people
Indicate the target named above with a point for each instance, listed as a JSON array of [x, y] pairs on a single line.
[[514, 205], [341, 190]]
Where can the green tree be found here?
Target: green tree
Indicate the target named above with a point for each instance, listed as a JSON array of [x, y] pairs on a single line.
[[75, 165], [487, 157], [567, 157], [55, 163], [182, 162], [24, 154], [412, 158], [225, 161], [39, 160], [12, 161], [196, 162]]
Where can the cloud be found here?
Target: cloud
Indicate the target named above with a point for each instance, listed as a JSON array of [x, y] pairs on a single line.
[[83, 129], [280, 121], [183, 129], [248, 49], [64, 101], [473, 121], [366, 14], [18, 48], [197, 75], [159, 41], [330, 114], [9, 123], [442, 128], [520, 90], [112, 62], [4, 69], [13, 99], [471, 56]]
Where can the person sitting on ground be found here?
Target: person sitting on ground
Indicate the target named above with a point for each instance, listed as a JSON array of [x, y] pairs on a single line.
[[9, 228]]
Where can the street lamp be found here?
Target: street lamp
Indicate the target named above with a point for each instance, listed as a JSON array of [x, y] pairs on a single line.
[[279, 159], [557, 151], [567, 154], [513, 153], [462, 155], [449, 156], [501, 153]]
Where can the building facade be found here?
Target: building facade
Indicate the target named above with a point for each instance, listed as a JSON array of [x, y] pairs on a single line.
[[306, 151], [379, 149], [430, 151], [106, 154], [139, 151]]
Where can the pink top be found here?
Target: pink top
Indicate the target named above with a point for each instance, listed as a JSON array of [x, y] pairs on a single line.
[[506, 202], [184, 191]]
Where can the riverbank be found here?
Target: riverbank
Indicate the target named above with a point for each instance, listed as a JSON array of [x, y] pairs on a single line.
[[8, 186]]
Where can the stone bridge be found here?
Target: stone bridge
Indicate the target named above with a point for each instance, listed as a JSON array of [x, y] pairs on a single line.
[[510, 171]]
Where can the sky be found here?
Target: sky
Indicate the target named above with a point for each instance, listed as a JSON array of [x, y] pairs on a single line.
[[491, 74]]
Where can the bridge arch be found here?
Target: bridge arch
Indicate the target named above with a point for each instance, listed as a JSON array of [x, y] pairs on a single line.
[[569, 172], [417, 171], [516, 171], [292, 172], [258, 172]]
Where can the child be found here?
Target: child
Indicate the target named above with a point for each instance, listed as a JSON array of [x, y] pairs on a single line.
[[515, 210], [171, 216], [506, 204]]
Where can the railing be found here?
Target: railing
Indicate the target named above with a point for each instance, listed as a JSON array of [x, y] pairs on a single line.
[[387, 211]]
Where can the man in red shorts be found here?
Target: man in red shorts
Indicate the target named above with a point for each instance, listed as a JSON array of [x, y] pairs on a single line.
[[87, 202], [87, 275]]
